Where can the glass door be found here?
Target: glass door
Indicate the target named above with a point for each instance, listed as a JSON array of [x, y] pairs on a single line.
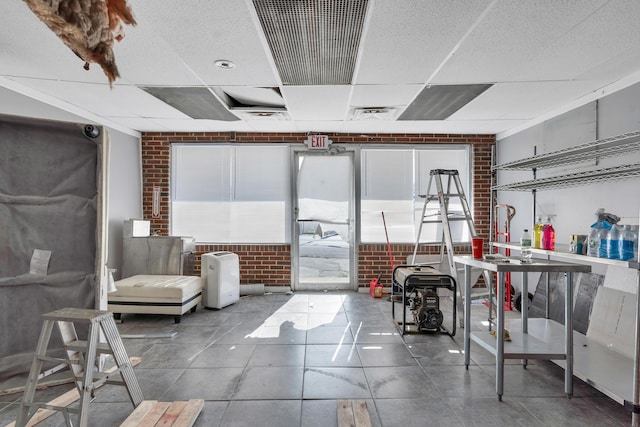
[[323, 249]]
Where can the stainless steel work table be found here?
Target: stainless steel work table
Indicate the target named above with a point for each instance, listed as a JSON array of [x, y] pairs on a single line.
[[522, 345]]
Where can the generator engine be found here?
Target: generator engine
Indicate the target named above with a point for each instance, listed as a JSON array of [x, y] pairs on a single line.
[[424, 304]]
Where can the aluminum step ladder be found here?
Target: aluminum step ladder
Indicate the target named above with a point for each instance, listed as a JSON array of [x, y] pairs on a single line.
[[81, 358], [443, 195]]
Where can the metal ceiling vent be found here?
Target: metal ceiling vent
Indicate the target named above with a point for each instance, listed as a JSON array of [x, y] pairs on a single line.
[[313, 42], [439, 102]]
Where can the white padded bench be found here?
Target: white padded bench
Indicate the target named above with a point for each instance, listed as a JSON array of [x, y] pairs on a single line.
[[156, 294]]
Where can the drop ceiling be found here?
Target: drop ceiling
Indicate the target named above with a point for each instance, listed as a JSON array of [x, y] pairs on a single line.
[[363, 66]]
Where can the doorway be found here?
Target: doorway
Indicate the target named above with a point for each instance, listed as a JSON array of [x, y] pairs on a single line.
[[324, 247]]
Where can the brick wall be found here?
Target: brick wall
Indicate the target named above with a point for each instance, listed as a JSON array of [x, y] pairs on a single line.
[[271, 264]]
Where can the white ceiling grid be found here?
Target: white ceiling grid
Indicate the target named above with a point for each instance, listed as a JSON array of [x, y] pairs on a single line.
[[541, 57]]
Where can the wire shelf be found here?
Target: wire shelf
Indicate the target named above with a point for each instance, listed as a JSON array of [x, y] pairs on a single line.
[[598, 149], [574, 179]]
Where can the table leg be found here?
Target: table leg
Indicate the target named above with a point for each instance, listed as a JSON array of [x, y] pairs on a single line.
[[524, 308], [467, 315], [500, 337], [404, 306], [568, 331]]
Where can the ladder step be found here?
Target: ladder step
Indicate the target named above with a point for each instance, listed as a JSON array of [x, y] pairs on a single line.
[[82, 346], [52, 407], [59, 360]]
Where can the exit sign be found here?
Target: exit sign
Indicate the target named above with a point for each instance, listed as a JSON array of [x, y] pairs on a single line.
[[318, 142]]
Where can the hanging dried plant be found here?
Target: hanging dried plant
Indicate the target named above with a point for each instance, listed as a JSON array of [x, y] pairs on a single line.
[[87, 27]]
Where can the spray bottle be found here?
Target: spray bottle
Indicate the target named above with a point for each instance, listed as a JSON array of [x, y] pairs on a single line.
[[548, 239], [537, 233]]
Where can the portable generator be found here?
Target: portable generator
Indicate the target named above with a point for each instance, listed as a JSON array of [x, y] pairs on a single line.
[[417, 288], [425, 306]]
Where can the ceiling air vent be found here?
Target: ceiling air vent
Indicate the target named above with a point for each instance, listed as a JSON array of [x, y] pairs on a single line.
[[254, 103], [439, 102], [195, 102], [313, 42], [375, 113]]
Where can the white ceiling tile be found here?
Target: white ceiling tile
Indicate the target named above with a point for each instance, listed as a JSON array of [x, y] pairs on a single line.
[[317, 102], [201, 32], [510, 38], [591, 44], [119, 101], [383, 95], [523, 101], [409, 38]]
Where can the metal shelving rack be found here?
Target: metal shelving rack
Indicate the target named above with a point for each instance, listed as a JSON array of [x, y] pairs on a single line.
[[575, 179], [598, 149]]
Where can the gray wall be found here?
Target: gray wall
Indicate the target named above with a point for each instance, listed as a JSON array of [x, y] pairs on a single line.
[[575, 207], [125, 181], [125, 191]]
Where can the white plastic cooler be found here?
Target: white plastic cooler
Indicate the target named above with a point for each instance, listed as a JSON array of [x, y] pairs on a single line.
[[220, 272]]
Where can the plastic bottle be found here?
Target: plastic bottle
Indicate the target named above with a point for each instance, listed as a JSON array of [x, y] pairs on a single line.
[[593, 241], [602, 237], [537, 233], [548, 239], [613, 251], [626, 242], [525, 247], [635, 229]]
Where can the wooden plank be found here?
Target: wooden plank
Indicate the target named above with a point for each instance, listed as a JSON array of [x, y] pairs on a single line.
[[65, 399], [189, 414], [154, 415], [353, 413], [139, 413], [361, 413], [170, 417], [41, 385], [345, 414]]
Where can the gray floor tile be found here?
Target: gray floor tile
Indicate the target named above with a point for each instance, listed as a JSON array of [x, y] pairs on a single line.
[[456, 381], [387, 334], [284, 334], [278, 355], [165, 356], [211, 414], [400, 382], [335, 383], [224, 356], [191, 334], [492, 412], [272, 413], [318, 320], [385, 355], [153, 383], [330, 335], [437, 352], [263, 383], [327, 355], [425, 412], [569, 412], [205, 383]]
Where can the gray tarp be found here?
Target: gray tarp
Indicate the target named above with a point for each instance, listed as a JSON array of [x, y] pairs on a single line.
[[48, 201]]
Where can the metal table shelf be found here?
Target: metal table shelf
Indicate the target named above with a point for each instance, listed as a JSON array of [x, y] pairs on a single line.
[[524, 346]]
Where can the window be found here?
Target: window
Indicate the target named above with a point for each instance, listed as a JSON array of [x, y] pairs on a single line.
[[393, 180], [231, 193]]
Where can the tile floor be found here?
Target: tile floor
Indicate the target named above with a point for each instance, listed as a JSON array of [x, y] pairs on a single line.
[[283, 360]]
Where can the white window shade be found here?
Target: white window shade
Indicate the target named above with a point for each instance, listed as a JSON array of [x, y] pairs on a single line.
[[231, 194], [393, 180]]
